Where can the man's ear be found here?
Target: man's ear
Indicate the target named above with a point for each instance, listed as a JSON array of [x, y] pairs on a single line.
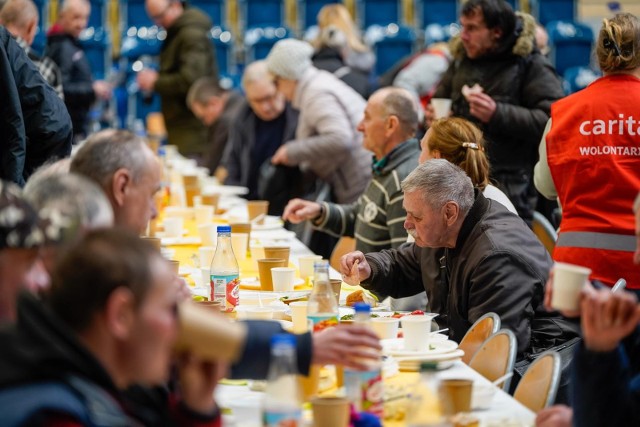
[[392, 124], [451, 212], [119, 313], [496, 33], [120, 183]]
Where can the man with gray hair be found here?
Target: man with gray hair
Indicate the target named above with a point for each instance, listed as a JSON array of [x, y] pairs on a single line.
[[490, 261], [20, 17], [127, 171], [376, 218]]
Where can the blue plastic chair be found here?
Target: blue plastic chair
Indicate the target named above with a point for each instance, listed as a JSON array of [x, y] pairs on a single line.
[[259, 41], [390, 44], [436, 33], [308, 11], [441, 12], [577, 78], [215, 9], [570, 43], [378, 12], [262, 13], [133, 14], [546, 11], [95, 42]]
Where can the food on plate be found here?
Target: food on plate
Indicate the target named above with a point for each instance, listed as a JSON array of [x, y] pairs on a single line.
[[413, 313], [288, 300], [473, 90], [348, 317], [361, 296]]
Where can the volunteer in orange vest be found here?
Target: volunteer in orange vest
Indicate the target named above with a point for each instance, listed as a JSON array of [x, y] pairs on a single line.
[[590, 160]]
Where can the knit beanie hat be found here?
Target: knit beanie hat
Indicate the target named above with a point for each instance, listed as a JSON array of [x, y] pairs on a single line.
[[290, 58]]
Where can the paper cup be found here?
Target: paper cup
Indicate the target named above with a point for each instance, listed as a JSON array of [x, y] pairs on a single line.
[[282, 278], [175, 266], [154, 241], [206, 255], [189, 194], [415, 330], [309, 385], [299, 316], [239, 243], [441, 107], [211, 200], [208, 234], [257, 252], [456, 395], [173, 226], [205, 278], [278, 252], [330, 411], [568, 281], [254, 312], [336, 286], [264, 270], [256, 208], [305, 265], [208, 335], [204, 214], [385, 327]]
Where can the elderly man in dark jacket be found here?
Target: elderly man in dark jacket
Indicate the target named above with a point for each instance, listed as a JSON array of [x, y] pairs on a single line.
[[35, 125], [516, 86], [491, 261]]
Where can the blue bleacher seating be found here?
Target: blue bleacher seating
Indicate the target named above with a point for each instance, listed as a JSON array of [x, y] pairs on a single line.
[[378, 12], [308, 11], [259, 41], [262, 13], [435, 33], [133, 14], [223, 43], [40, 41], [98, 16], [570, 44], [214, 8], [546, 11], [96, 44], [440, 12], [390, 44], [577, 78]]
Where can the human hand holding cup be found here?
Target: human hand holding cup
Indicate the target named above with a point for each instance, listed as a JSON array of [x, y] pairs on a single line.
[[568, 282]]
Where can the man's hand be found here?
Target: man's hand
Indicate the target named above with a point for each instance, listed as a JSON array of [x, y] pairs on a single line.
[[607, 318], [298, 210], [555, 416], [481, 106], [347, 345], [281, 157], [354, 268], [102, 89], [198, 379], [147, 79]]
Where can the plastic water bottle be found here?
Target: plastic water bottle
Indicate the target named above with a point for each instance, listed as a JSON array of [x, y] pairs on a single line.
[[225, 282], [322, 309], [282, 406], [364, 388], [425, 407]]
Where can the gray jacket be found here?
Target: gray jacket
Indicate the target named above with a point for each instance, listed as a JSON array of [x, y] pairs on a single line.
[[327, 141], [498, 265], [376, 219]]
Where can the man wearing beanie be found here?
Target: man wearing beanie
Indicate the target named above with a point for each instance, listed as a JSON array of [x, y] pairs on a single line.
[[327, 141]]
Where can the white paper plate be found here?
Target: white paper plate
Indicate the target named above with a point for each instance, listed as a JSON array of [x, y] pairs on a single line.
[[175, 241], [395, 347], [225, 190], [270, 223]]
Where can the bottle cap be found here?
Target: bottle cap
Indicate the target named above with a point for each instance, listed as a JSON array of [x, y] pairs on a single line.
[[224, 229], [323, 263], [286, 339], [362, 307]]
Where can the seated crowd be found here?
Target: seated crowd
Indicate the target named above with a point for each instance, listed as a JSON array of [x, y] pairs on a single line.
[[440, 209]]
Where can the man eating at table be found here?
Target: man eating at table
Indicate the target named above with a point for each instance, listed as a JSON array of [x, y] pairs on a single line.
[[489, 261]]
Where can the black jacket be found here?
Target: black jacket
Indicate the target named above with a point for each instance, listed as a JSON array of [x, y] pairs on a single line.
[[329, 59], [35, 125], [523, 84], [498, 265], [77, 81]]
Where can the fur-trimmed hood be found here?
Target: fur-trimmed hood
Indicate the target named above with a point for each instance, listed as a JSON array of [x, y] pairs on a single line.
[[524, 38]]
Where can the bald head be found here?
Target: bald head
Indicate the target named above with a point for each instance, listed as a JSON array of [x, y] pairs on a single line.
[[20, 17], [164, 12]]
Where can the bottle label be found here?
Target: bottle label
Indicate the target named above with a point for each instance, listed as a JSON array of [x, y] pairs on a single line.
[[282, 418], [365, 390], [322, 321], [225, 288]]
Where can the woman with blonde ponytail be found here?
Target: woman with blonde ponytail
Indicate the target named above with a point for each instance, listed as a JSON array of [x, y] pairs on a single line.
[[460, 142]]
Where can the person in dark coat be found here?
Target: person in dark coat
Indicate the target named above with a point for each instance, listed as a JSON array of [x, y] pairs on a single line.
[[512, 88], [63, 46], [35, 124]]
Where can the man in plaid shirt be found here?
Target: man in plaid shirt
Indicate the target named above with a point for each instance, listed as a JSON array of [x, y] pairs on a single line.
[[20, 17]]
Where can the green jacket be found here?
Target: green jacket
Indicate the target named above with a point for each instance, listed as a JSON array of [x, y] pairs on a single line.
[[187, 54]]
